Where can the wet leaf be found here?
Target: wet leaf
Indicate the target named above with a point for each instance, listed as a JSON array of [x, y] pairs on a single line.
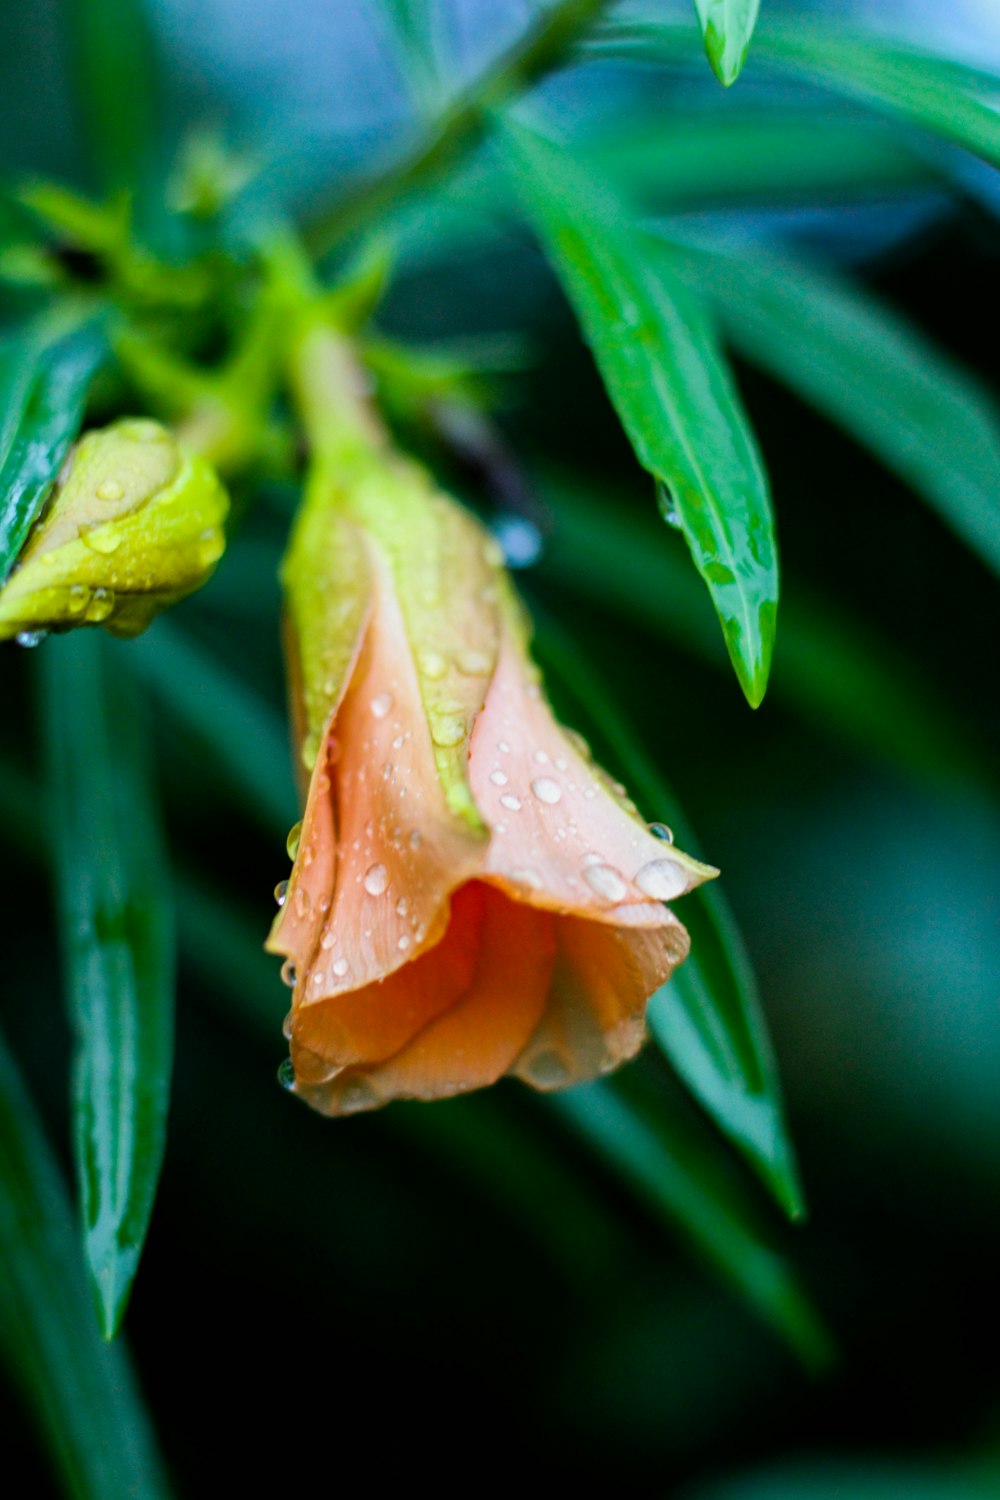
[[115, 922], [727, 26], [81, 1393], [671, 389]]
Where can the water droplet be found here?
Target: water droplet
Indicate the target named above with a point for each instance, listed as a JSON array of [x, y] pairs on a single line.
[[402, 906], [381, 705], [102, 539], [498, 778], [286, 1074], [503, 747], [100, 605], [547, 790], [376, 880], [473, 663], [288, 973], [546, 1070], [541, 757], [404, 942], [512, 804], [293, 840], [661, 831], [605, 881], [432, 664], [416, 839], [31, 638], [109, 489], [527, 877], [286, 1026], [661, 879], [303, 902], [281, 892], [340, 968], [447, 732], [399, 742], [77, 597], [328, 939]]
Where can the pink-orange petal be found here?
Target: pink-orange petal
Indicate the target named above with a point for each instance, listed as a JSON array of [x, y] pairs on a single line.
[[560, 839], [595, 1017], [474, 1042], [400, 850], [371, 1023]]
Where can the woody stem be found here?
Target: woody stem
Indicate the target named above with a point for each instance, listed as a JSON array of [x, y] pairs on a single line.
[[542, 47]]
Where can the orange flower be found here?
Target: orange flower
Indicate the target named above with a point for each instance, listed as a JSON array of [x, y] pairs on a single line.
[[470, 896]]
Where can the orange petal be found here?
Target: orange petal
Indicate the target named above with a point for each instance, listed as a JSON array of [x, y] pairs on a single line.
[[474, 1042], [400, 851], [560, 839], [595, 1018], [369, 1024]]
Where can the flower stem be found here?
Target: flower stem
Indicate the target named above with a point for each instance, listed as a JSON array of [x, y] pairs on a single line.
[[541, 47]]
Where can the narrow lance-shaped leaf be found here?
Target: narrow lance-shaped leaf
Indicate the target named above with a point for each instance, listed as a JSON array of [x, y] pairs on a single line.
[[707, 1019], [933, 91], [115, 919], [116, 81], [672, 391], [866, 367], [727, 26], [43, 387], [656, 1152], [81, 1393]]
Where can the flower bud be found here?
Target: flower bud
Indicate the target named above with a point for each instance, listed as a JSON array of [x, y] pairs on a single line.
[[132, 525], [471, 895]]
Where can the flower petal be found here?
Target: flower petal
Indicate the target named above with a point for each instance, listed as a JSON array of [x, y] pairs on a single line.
[[474, 1042], [369, 1024], [561, 838], [400, 850], [595, 1017]]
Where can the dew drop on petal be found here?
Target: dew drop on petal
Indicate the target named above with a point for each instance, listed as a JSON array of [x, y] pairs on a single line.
[[109, 489], [503, 747], [281, 892], [541, 757], [527, 877], [340, 968], [547, 790], [605, 881], [432, 664], [286, 1025], [402, 906], [381, 705], [416, 839], [292, 842], [498, 778], [512, 804], [661, 831], [473, 663], [286, 1074], [376, 880], [661, 879], [288, 973], [404, 942], [447, 731]]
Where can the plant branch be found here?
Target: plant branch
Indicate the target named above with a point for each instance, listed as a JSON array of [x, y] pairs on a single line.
[[540, 48]]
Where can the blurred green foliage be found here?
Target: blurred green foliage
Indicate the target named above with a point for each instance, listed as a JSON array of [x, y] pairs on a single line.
[[526, 1263]]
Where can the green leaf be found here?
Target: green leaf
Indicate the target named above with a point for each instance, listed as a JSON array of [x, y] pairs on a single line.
[[926, 88], [115, 920], [43, 388], [653, 1148], [866, 367], [672, 391], [115, 69], [727, 26], [708, 1019], [867, 694], [81, 1393]]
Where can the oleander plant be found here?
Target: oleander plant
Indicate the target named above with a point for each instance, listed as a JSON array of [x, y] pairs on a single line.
[[450, 452]]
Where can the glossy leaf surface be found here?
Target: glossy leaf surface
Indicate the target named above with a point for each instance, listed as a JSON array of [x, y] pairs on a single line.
[[727, 26], [115, 920], [81, 1393], [672, 391], [707, 1020], [43, 386]]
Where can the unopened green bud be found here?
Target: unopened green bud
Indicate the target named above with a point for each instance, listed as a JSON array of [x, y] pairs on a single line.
[[133, 524]]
